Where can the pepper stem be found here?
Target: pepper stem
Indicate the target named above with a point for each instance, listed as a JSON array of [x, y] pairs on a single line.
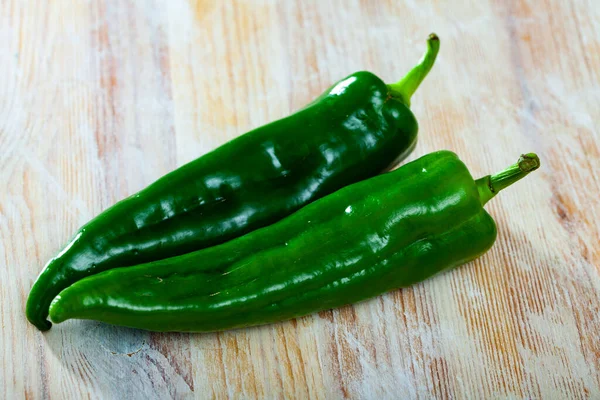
[[407, 86], [490, 185]]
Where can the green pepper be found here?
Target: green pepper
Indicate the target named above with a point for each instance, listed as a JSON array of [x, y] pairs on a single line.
[[357, 128], [384, 233]]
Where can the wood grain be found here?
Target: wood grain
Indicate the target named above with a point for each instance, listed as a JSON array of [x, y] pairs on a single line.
[[99, 98]]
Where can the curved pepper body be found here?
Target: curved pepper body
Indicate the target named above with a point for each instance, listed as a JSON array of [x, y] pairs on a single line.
[[353, 132], [383, 233]]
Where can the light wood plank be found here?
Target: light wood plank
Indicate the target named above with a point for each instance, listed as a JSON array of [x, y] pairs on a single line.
[[99, 98]]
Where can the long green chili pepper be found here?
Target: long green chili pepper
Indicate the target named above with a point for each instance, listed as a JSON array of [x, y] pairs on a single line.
[[383, 233], [357, 128]]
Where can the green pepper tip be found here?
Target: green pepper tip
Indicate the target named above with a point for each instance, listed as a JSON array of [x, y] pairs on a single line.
[[406, 87], [433, 41], [529, 162], [43, 325], [490, 185], [54, 312]]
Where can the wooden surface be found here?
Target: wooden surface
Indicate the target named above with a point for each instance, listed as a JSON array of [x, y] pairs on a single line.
[[99, 98]]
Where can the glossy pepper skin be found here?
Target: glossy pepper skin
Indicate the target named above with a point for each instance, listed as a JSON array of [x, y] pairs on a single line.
[[387, 232], [357, 128]]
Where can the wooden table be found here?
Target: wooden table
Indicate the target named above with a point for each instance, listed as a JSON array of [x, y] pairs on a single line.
[[99, 98]]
